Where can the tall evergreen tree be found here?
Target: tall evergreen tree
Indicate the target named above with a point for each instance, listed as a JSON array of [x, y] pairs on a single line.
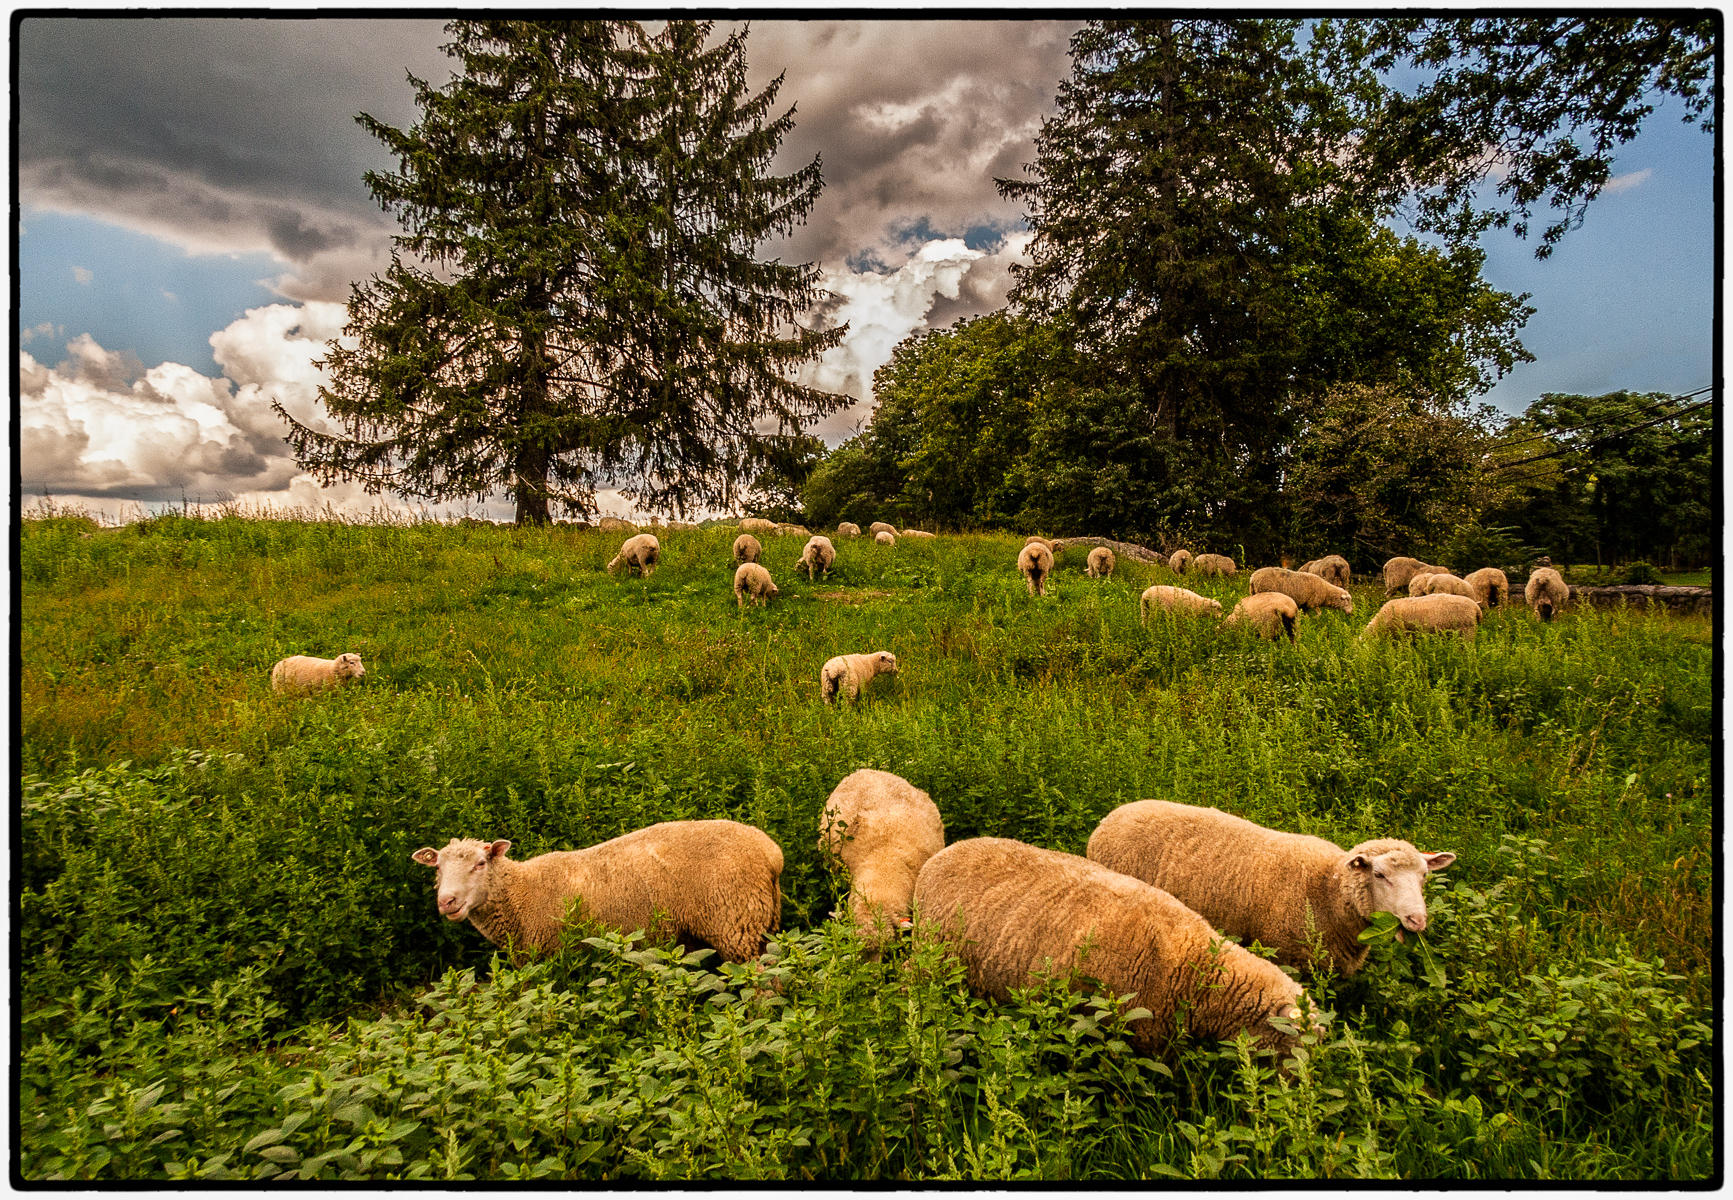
[[576, 301]]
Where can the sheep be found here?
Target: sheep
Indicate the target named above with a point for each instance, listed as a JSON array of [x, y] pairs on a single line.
[[1036, 562], [789, 529], [1443, 613], [1546, 593], [1036, 539], [757, 525], [884, 829], [847, 674], [817, 556], [615, 525], [885, 538], [1252, 882], [1398, 571], [917, 533], [1332, 568], [639, 554], [1489, 586], [1269, 614], [1176, 599], [1439, 583], [848, 529], [1178, 561], [1305, 589], [1214, 564], [747, 549], [1013, 912], [1101, 563], [751, 579], [699, 883], [878, 527], [303, 673]]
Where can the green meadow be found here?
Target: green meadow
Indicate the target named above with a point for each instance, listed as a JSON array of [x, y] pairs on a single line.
[[230, 969]]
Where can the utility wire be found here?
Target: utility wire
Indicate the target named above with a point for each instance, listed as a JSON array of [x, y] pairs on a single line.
[[1607, 437], [1618, 416]]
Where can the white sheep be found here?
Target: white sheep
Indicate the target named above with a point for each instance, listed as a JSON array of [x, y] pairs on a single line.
[[1035, 560], [1253, 882], [1100, 564], [1013, 913], [304, 673], [1546, 593], [878, 527], [757, 525], [639, 554], [1332, 568], [884, 829], [1177, 600], [747, 549], [1399, 571], [615, 525], [885, 538], [788, 529], [1439, 583], [848, 529], [1178, 561], [848, 674], [1269, 614], [817, 556], [700, 883], [752, 580], [1214, 564], [1443, 613], [1304, 588], [1490, 587], [917, 533]]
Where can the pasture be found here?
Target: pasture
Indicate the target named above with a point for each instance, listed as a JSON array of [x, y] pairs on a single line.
[[230, 968]]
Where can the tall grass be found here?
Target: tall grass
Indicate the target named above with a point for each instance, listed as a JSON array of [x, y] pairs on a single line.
[[217, 893]]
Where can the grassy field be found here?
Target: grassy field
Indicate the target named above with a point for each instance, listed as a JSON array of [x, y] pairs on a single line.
[[231, 968]]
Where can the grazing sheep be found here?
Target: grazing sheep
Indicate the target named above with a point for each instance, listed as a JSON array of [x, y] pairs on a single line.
[[1177, 600], [615, 525], [788, 529], [1443, 613], [1439, 583], [639, 554], [747, 549], [1253, 882], [1332, 568], [1546, 593], [751, 579], [1398, 571], [1307, 590], [700, 883], [1036, 562], [1178, 561], [918, 533], [1269, 614], [303, 673], [878, 527], [1013, 912], [1213, 564], [1489, 586], [817, 556], [848, 529], [1036, 539], [885, 538], [757, 525], [847, 674], [884, 829], [1100, 564]]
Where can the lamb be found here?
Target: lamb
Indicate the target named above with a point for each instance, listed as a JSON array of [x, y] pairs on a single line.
[[1546, 593], [1443, 613], [1013, 912], [1177, 600], [847, 674], [304, 673], [1489, 586], [1213, 564], [700, 883], [1036, 562], [1305, 589], [1398, 571], [884, 829], [878, 527], [747, 549], [751, 579], [1252, 882], [1268, 614], [639, 554], [1332, 567], [1439, 583], [1101, 563], [817, 556], [1178, 561], [615, 525], [757, 525], [848, 529], [885, 538]]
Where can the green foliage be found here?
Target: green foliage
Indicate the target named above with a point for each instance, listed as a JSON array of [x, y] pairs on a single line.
[[1474, 545], [1642, 572]]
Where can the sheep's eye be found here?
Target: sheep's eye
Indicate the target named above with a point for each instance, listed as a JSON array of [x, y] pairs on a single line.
[[1379, 874]]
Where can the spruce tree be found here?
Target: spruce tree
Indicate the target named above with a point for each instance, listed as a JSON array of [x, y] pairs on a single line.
[[576, 302]]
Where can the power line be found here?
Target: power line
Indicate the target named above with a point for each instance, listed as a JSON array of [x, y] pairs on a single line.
[[1605, 437], [1614, 416]]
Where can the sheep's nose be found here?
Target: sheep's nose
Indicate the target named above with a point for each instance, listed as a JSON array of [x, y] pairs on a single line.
[[448, 904], [1416, 922]]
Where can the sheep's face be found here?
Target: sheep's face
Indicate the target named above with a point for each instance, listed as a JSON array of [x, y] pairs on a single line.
[[884, 663], [347, 666], [1395, 879], [464, 868], [1343, 601]]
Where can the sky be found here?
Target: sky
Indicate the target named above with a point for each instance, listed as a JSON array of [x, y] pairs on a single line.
[[192, 217]]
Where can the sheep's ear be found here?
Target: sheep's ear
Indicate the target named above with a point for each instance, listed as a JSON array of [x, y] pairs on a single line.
[[1437, 862], [1359, 863], [498, 848], [427, 856]]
